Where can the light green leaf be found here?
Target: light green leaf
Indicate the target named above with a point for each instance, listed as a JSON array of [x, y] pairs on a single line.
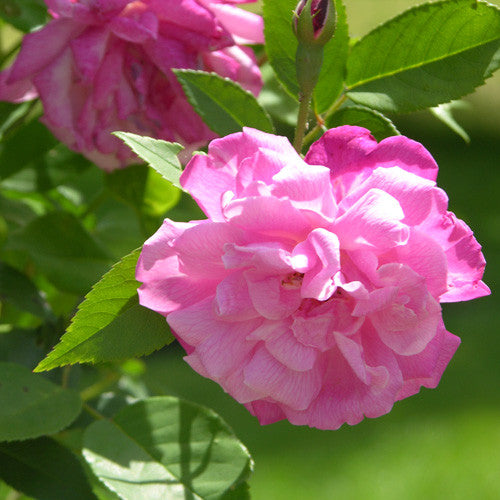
[[110, 324], [43, 469], [222, 104], [428, 55], [164, 447], [63, 250], [281, 44], [161, 155], [379, 125], [25, 15], [31, 405], [331, 78], [144, 189], [444, 113]]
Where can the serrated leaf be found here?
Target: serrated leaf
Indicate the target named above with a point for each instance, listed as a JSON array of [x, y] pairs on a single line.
[[444, 113], [110, 324], [25, 15], [164, 447], [379, 125], [281, 44], [20, 291], [144, 189], [428, 55], [222, 104], [31, 405], [43, 469], [63, 250], [331, 78], [159, 154]]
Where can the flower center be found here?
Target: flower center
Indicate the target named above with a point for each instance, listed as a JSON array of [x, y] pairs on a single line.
[[292, 281]]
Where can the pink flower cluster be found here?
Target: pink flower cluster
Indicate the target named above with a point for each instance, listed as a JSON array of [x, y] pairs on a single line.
[[312, 291], [105, 65]]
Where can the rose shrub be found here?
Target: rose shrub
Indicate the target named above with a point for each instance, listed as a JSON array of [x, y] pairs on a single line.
[[102, 66], [312, 291]]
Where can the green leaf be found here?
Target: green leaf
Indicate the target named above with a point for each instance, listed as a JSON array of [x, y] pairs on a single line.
[[331, 78], [222, 104], [144, 189], [444, 113], [281, 43], [428, 55], [379, 125], [63, 250], [25, 15], [20, 291], [43, 469], [31, 405], [161, 155], [110, 324], [164, 447], [27, 144]]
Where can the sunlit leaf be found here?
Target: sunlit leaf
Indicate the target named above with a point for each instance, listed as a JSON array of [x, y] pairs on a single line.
[[110, 324], [164, 447]]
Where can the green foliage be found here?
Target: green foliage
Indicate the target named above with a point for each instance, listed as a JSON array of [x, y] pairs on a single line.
[[43, 469], [222, 104], [444, 113], [25, 15], [31, 405], [379, 125], [281, 43], [20, 291], [331, 78], [144, 189], [428, 55], [164, 447], [63, 250], [110, 324], [161, 155]]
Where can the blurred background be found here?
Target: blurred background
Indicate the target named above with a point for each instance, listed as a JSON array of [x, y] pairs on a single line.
[[442, 443]]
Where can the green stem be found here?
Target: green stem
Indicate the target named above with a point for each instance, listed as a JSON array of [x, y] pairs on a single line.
[[331, 110], [99, 387], [305, 101], [65, 376], [93, 412]]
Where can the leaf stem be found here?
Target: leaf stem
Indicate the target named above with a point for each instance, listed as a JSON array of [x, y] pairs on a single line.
[[65, 376], [93, 412], [99, 387], [305, 101]]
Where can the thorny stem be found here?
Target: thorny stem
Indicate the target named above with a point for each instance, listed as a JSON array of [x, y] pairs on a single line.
[[305, 101], [334, 107]]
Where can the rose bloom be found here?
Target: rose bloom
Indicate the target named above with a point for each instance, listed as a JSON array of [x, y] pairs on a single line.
[[312, 291], [105, 65]]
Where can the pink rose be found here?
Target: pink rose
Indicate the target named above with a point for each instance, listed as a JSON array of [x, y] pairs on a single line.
[[312, 291], [105, 65]]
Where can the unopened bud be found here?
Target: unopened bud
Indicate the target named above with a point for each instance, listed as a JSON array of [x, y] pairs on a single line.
[[314, 21]]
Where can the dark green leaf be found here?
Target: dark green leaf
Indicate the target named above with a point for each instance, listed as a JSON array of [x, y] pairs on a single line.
[[20, 346], [20, 291], [379, 125], [331, 78], [222, 104], [281, 43], [144, 189], [428, 55], [25, 15], [43, 469], [26, 145], [31, 405], [63, 250], [161, 155], [166, 448], [110, 324]]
